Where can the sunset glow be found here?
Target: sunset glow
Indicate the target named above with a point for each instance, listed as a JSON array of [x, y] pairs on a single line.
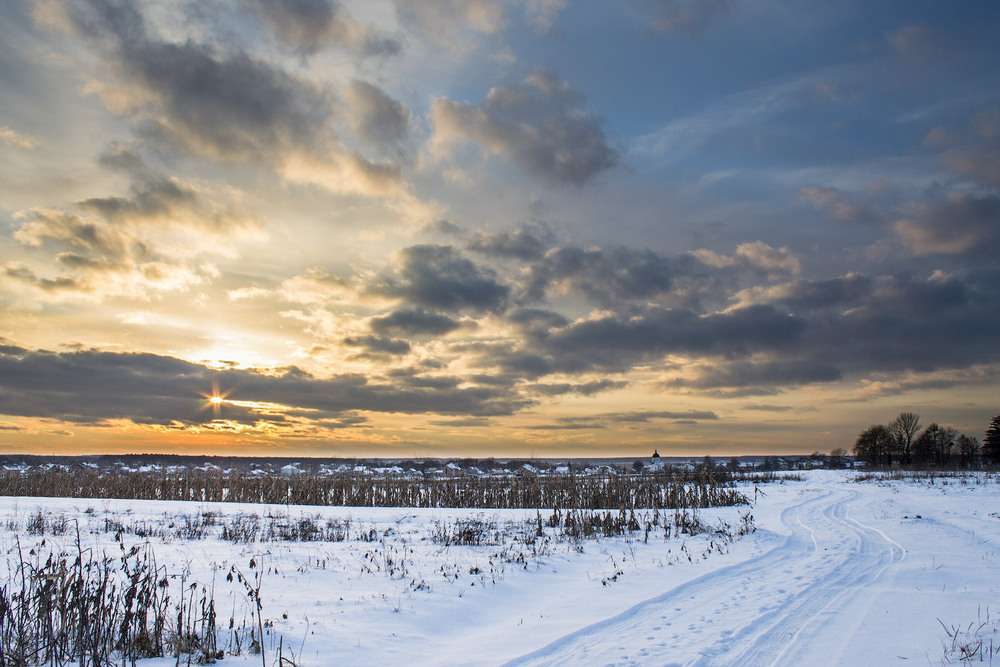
[[485, 228]]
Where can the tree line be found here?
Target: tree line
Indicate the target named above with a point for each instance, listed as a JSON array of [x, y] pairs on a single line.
[[902, 442]]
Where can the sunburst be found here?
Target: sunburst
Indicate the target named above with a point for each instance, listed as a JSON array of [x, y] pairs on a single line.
[[215, 400]]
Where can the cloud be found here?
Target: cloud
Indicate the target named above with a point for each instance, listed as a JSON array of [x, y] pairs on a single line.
[[776, 408], [843, 292], [606, 419], [859, 325], [439, 20], [23, 274], [616, 342], [15, 139], [317, 287], [977, 154], [377, 118], [648, 415], [580, 389], [311, 25], [838, 204], [543, 13], [414, 323], [468, 422], [153, 240], [605, 276], [890, 326], [522, 243], [376, 346], [756, 255], [439, 277], [763, 374], [95, 387], [225, 106], [961, 224], [536, 125], [687, 16], [522, 364]]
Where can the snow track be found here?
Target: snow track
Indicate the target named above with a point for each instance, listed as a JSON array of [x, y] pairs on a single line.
[[772, 609]]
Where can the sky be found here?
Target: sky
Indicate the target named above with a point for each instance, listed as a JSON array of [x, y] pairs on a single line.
[[480, 228]]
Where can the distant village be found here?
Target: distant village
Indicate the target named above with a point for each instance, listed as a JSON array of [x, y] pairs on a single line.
[[258, 467]]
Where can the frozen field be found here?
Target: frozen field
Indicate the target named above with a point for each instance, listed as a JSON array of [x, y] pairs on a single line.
[[838, 572]]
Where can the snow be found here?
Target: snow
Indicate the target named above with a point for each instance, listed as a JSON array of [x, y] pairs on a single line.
[[838, 572]]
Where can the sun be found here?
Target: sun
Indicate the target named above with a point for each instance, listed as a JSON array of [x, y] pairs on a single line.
[[215, 399]]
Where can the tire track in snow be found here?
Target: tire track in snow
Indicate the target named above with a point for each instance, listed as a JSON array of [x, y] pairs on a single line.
[[759, 612]]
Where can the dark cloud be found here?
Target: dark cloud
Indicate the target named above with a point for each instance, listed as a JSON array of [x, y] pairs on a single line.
[[617, 342], [166, 202], [763, 407], [961, 224], [603, 420], [311, 25], [922, 300], [522, 244], [228, 106], [566, 426], [468, 422], [688, 16], [440, 277], [232, 103], [857, 325], [414, 322], [769, 374], [377, 118], [61, 230], [648, 415], [379, 345], [842, 292], [411, 377], [524, 364], [352, 421], [535, 319], [25, 275], [886, 327], [581, 389], [604, 276], [445, 228], [93, 387], [804, 295], [892, 332], [537, 125]]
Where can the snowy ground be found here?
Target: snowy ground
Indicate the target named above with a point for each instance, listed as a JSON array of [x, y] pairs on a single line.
[[838, 572]]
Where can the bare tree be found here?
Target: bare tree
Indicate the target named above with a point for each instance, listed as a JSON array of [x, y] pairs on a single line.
[[903, 428], [968, 449], [875, 445], [934, 445]]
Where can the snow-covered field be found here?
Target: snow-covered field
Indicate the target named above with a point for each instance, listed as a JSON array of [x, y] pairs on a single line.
[[838, 572]]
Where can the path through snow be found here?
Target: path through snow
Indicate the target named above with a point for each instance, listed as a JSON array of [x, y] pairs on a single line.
[[766, 610]]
